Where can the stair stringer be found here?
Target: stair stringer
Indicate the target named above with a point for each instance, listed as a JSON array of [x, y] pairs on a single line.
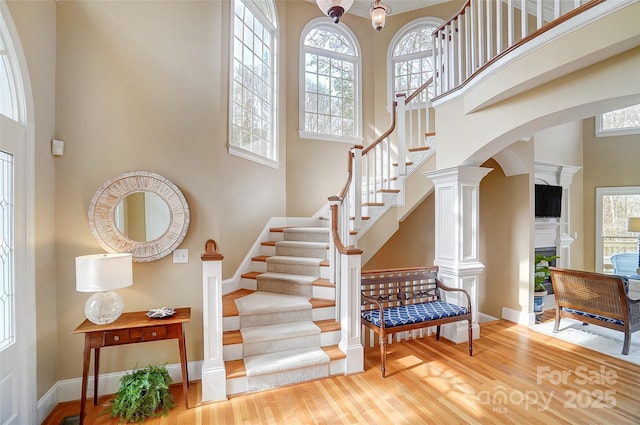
[[416, 188]]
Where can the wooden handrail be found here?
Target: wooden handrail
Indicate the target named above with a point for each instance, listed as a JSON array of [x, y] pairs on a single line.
[[460, 12], [345, 188], [386, 133], [346, 250], [418, 91]]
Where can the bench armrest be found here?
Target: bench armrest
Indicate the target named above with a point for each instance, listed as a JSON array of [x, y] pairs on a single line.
[[444, 287]]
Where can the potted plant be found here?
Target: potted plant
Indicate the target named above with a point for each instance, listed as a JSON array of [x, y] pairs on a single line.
[[143, 393], [541, 274]]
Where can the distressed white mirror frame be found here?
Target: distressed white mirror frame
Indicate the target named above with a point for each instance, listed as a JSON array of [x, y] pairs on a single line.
[[106, 199]]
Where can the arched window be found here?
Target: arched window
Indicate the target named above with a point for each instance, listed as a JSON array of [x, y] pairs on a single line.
[[253, 124], [411, 58], [329, 83]]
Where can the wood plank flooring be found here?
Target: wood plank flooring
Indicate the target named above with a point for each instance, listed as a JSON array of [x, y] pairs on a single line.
[[516, 376]]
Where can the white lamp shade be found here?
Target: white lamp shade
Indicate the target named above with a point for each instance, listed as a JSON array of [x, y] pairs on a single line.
[[341, 7], [103, 272], [634, 224]]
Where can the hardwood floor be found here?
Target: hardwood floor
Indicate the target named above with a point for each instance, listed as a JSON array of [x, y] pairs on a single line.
[[515, 376]]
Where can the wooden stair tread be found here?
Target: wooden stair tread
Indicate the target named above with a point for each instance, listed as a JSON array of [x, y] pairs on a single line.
[[323, 282], [260, 258], [328, 325], [419, 149], [334, 352], [373, 204], [251, 275], [235, 369], [229, 306], [268, 243], [320, 303], [389, 191], [232, 337]]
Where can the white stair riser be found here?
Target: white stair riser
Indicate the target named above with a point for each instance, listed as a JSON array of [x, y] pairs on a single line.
[[294, 269], [235, 351], [302, 252], [240, 385], [325, 313], [275, 318], [285, 287], [324, 292], [307, 236], [284, 344]]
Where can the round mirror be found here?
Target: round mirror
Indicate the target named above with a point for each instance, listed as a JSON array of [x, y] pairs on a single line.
[[142, 216], [139, 212]]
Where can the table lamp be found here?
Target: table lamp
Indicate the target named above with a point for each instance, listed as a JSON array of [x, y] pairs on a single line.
[[103, 273], [634, 226]]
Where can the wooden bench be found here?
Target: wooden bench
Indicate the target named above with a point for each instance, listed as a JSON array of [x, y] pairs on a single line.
[[400, 300], [595, 298]]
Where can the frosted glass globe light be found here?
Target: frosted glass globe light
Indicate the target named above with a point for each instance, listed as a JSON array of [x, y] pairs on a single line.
[[101, 274]]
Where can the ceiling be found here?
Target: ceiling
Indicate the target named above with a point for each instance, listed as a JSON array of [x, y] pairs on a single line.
[[361, 7]]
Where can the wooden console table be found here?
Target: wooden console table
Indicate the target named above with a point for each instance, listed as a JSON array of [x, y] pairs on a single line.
[[131, 328]]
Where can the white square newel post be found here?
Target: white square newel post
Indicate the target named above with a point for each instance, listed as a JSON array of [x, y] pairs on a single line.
[[214, 377]]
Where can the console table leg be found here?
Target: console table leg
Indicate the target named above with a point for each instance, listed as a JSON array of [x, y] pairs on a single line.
[[183, 363], [96, 373], [85, 372]]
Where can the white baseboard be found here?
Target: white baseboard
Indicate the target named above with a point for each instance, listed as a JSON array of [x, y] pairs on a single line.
[[519, 317], [70, 389]]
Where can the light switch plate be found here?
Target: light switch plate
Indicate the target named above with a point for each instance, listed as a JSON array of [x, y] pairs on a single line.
[[181, 256]]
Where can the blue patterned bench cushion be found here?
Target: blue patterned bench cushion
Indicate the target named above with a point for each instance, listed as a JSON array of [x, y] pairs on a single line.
[[593, 316], [414, 313]]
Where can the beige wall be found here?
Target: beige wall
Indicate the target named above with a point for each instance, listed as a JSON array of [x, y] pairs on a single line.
[[608, 162], [505, 220], [413, 244]]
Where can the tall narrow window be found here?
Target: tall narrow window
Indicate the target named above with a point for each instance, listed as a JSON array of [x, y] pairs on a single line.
[[7, 328], [411, 59], [329, 92], [253, 82], [8, 93]]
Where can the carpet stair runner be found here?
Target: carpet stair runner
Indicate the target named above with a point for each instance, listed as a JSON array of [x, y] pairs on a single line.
[[282, 330]]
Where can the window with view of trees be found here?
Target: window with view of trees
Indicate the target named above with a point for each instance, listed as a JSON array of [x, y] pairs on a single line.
[[619, 122], [329, 95], [614, 206], [253, 98], [412, 59]]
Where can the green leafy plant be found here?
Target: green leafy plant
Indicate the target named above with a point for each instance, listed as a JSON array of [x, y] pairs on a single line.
[[542, 271], [143, 393]]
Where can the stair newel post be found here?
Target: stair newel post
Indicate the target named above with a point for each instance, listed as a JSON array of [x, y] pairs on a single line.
[[356, 190], [402, 133], [214, 379], [348, 296]]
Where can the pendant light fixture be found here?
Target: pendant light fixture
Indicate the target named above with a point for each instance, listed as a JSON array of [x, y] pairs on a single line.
[[334, 8], [378, 12]]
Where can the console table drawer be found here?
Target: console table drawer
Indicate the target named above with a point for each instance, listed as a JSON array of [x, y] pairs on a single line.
[[115, 337]]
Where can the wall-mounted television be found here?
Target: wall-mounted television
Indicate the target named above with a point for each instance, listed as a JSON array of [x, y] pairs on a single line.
[[548, 200]]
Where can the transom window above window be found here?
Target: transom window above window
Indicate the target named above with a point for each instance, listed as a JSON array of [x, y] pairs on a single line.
[[619, 122], [329, 94]]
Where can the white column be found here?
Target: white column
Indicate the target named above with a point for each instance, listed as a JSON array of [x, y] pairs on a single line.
[[457, 212], [214, 376]]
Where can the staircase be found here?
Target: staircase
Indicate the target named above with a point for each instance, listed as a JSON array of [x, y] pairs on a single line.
[[283, 329]]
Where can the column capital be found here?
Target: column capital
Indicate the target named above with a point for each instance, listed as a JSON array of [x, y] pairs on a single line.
[[462, 174]]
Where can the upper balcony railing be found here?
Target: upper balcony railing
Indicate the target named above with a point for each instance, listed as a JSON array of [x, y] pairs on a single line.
[[485, 30]]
